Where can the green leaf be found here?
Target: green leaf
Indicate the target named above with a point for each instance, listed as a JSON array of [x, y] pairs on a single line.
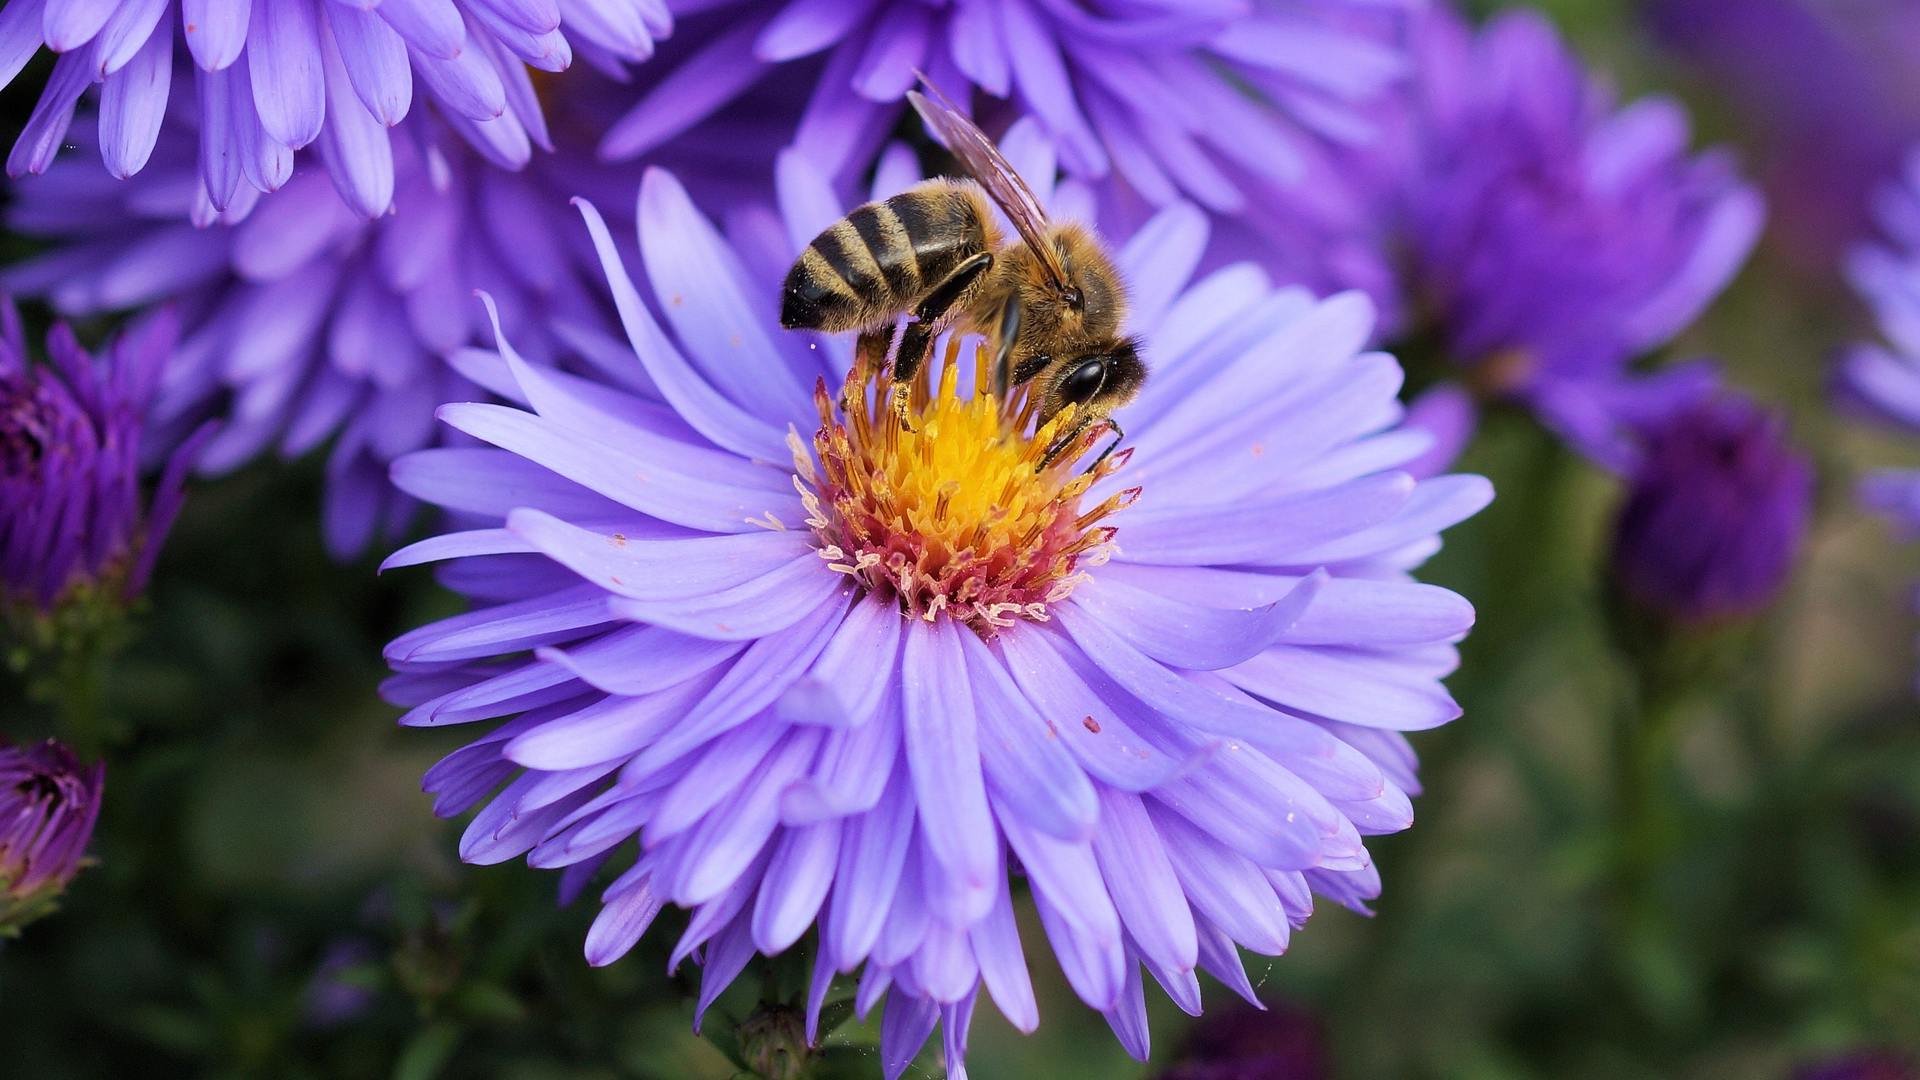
[[427, 1052]]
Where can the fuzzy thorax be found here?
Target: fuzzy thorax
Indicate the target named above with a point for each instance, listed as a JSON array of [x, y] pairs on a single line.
[[955, 513]]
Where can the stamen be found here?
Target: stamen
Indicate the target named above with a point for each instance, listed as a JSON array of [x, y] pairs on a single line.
[[960, 511]]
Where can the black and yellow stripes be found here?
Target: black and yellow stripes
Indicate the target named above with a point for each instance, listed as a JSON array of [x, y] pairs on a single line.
[[884, 258]]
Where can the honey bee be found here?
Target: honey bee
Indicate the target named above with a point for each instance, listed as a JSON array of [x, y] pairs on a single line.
[[1052, 304]]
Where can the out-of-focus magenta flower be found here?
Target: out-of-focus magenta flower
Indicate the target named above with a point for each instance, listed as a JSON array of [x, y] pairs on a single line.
[[1715, 515], [48, 804], [1273, 1042], [72, 516], [1551, 236], [1827, 93], [1882, 381], [260, 79], [305, 321]]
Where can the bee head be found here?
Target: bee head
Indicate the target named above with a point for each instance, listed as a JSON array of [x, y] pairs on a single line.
[[1096, 382]]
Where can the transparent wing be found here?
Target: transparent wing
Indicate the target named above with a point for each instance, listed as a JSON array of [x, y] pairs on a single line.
[[984, 162]]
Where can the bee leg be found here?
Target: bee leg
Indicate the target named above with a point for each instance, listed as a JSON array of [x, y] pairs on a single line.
[[932, 314], [869, 352], [1003, 357]]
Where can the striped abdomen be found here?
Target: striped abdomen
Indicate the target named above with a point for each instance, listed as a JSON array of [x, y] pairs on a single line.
[[878, 261]]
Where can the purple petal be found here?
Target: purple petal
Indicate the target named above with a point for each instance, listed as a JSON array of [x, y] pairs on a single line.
[[707, 296], [795, 886], [699, 87], [1192, 636], [608, 730], [755, 609], [1141, 877], [655, 487], [854, 768], [21, 35], [622, 921], [47, 125], [728, 841], [133, 26], [692, 397], [641, 659], [1346, 685], [69, 24], [974, 39], [434, 27], [894, 53], [1107, 747], [506, 628], [943, 755], [133, 103], [468, 84], [873, 850], [904, 1028], [354, 145], [1274, 533], [1128, 1017], [853, 671], [804, 27], [659, 569], [375, 57], [216, 31], [289, 81], [1030, 773], [1003, 967], [1225, 888]]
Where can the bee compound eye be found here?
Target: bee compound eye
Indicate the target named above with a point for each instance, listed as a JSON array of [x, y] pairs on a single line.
[[1084, 381]]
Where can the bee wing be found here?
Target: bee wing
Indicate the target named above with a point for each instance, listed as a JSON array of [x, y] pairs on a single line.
[[984, 162]]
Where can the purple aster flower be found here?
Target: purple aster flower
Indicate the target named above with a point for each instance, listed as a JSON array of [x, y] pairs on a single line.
[[73, 523], [798, 666], [304, 320], [1550, 236], [270, 77], [48, 804], [1716, 511], [1216, 102], [1825, 136]]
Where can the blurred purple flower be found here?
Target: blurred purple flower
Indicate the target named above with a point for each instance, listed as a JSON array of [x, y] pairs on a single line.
[[72, 432], [48, 804], [1882, 381], [1209, 101], [692, 615], [1832, 130], [304, 320], [1283, 1042], [1716, 512], [1552, 237], [272, 76]]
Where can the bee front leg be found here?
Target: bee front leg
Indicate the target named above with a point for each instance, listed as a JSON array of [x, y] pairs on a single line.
[[933, 313]]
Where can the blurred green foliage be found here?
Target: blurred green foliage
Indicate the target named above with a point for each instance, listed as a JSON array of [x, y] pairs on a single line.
[[273, 897]]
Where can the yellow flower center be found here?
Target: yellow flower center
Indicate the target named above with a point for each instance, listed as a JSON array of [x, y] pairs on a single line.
[[961, 511]]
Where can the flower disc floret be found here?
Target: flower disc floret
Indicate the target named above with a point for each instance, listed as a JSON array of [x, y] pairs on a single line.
[[961, 510]]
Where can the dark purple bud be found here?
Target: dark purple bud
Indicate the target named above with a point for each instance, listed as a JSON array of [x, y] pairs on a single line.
[[48, 804], [73, 522], [1239, 1042], [1715, 515]]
